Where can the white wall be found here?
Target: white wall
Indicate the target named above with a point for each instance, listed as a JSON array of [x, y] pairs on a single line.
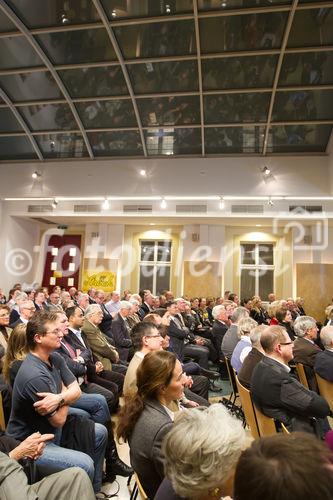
[[307, 175]]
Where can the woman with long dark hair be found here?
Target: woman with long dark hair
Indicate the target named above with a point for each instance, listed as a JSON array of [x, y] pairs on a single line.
[[146, 417]]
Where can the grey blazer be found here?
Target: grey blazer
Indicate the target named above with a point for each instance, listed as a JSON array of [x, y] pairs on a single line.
[[230, 340], [145, 445]]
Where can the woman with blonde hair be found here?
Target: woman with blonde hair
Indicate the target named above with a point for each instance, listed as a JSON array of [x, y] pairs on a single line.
[[257, 312], [146, 417], [16, 353]]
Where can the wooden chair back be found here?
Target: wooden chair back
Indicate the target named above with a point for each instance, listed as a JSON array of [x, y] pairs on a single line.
[[325, 390], [266, 425], [2, 416], [232, 377], [248, 410], [302, 375]]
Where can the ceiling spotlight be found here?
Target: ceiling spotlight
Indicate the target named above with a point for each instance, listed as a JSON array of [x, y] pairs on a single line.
[[36, 175], [114, 13], [106, 204], [266, 171], [221, 204], [54, 203], [223, 4], [163, 203], [270, 202], [64, 19], [143, 173], [167, 9]]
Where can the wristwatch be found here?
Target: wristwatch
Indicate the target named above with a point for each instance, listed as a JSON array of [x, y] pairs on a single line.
[[61, 402]]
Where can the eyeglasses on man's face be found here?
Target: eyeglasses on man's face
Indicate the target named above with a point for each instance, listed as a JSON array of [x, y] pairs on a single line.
[[286, 343]]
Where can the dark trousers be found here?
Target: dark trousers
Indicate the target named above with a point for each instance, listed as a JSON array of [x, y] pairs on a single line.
[[199, 353], [111, 380], [111, 397]]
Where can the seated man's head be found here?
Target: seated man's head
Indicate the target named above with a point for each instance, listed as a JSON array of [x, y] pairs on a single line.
[[285, 467], [201, 452], [306, 326], [276, 343], [43, 332], [94, 314], [326, 336], [146, 337]]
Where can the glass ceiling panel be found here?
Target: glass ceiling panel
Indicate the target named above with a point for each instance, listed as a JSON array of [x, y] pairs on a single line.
[[30, 86], [248, 32], [174, 76], [311, 28], [157, 39], [5, 23], [116, 143], [62, 145], [121, 9], [238, 72], [170, 141], [169, 110], [107, 114], [246, 140], [228, 108], [94, 82], [204, 5], [8, 122], [48, 117], [40, 13], [303, 105], [16, 148], [91, 45], [298, 138], [312, 68], [16, 52]]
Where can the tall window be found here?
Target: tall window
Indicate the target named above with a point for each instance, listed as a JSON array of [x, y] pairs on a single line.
[[155, 265], [257, 269]]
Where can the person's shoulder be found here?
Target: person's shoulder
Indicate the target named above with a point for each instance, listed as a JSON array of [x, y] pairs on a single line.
[[56, 359]]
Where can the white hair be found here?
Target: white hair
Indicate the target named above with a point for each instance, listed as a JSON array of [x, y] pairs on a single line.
[[216, 311], [326, 336], [125, 304], [202, 449], [133, 302], [239, 313], [245, 325], [21, 296], [91, 309], [256, 334], [303, 324]]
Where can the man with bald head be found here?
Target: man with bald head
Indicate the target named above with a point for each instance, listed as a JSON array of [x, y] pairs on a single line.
[[277, 393], [324, 359]]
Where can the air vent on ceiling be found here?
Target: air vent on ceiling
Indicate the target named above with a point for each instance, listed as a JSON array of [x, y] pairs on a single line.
[[191, 209], [247, 209], [43, 221], [40, 208], [138, 208], [305, 208], [87, 208]]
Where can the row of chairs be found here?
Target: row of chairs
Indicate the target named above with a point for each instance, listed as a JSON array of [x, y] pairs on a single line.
[[257, 422]]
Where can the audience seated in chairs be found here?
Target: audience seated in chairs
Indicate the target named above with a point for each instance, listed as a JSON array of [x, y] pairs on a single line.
[[201, 453], [147, 417], [252, 359], [324, 359], [305, 350], [230, 338], [243, 347], [289, 467]]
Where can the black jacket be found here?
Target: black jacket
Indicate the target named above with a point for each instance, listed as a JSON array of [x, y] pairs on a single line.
[[324, 365], [280, 395]]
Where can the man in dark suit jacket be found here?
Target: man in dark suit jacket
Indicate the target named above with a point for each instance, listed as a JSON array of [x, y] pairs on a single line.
[[147, 305], [324, 359], [219, 327], [276, 392], [121, 330], [105, 324], [305, 350], [27, 310]]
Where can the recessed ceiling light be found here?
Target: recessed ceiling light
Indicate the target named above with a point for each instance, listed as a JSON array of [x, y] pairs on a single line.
[[266, 171], [152, 224], [163, 203], [143, 173], [258, 225], [106, 204], [36, 175]]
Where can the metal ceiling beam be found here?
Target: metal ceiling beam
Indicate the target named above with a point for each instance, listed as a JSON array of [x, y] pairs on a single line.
[[277, 72], [114, 42], [23, 124], [18, 23], [197, 39]]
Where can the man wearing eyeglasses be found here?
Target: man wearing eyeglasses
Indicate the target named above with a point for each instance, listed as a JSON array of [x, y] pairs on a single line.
[[277, 393], [27, 310], [43, 390]]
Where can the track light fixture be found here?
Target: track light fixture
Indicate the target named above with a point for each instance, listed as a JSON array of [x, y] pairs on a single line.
[[54, 203], [266, 171], [270, 202], [36, 175]]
